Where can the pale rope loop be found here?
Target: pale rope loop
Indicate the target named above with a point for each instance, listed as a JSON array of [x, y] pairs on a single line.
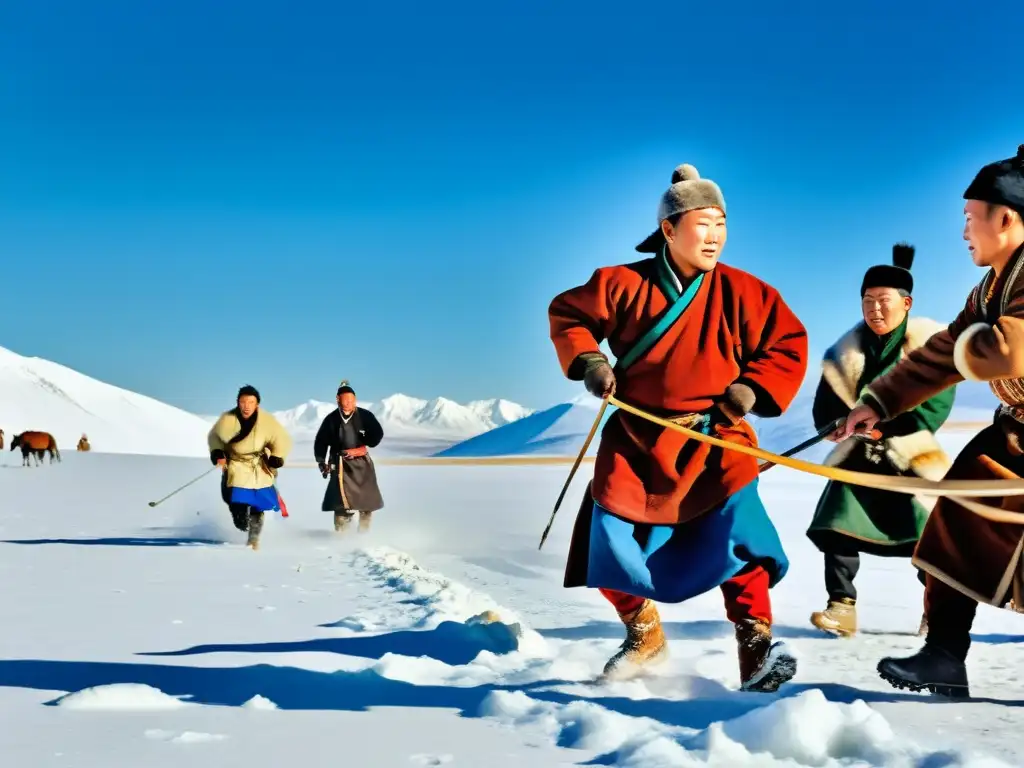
[[955, 490]]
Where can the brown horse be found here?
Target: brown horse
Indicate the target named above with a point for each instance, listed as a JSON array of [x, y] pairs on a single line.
[[36, 443], [1, 439]]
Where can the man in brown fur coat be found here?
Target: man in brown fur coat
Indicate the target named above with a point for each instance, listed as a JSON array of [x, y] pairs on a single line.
[[968, 559]]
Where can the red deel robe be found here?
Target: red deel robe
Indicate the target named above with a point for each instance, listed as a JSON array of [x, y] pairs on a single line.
[[737, 328]]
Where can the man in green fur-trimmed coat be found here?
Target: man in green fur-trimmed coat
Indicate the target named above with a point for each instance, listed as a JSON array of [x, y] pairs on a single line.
[[850, 520]]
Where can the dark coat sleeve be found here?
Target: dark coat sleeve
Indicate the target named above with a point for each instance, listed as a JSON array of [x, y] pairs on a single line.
[[322, 441], [374, 431], [827, 405]]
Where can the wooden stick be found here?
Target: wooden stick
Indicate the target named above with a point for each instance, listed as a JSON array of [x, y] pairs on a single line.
[[572, 472]]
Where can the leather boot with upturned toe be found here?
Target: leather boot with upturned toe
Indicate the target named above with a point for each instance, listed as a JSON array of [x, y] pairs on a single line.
[[839, 618], [764, 664], [644, 644]]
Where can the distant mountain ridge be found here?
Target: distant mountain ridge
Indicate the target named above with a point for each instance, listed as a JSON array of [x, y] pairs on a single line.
[[412, 416]]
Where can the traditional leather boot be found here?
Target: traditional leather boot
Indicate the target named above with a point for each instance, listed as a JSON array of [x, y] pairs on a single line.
[[255, 528], [342, 520], [764, 665], [644, 644], [839, 617], [365, 518], [933, 668]]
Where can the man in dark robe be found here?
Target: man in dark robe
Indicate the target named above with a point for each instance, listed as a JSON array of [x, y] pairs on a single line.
[[349, 432]]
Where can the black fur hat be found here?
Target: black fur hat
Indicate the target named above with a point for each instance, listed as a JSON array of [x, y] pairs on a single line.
[[1000, 183], [248, 389], [344, 387], [896, 275]]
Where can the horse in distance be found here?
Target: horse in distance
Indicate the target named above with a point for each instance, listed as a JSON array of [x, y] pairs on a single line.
[[37, 443]]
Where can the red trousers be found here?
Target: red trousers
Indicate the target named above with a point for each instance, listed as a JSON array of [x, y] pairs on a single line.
[[746, 597]]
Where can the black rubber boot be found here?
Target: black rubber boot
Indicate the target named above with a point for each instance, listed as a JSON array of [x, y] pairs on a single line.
[[933, 668]]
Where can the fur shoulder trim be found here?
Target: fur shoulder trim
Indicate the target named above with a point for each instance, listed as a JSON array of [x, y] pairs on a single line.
[[849, 341], [269, 419], [919, 330], [226, 426], [843, 366]]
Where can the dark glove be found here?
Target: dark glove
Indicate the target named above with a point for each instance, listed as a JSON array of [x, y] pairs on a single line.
[[598, 376], [739, 401], [324, 469], [275, 462], [217, 455]]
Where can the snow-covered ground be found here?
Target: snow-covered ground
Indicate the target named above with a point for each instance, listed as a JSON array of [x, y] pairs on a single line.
[[149, 636]]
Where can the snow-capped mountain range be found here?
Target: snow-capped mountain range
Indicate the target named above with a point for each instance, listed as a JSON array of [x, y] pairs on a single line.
[[412, 416]]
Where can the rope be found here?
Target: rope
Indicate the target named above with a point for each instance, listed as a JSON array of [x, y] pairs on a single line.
[[915, 485], [955, 490]]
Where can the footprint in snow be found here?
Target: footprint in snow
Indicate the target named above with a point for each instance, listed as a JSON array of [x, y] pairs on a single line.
[[430, 759]]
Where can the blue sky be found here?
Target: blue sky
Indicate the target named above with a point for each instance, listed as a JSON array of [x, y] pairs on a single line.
[[201, 195]]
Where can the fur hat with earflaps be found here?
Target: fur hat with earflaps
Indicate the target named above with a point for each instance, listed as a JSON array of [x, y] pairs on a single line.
[[896, 275], [689, 192], [1000, 183]]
